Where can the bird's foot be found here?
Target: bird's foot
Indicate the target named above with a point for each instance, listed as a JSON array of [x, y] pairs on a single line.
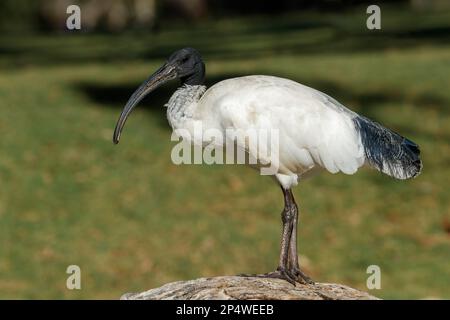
[[292, 276], [283, 275], [301, 277]]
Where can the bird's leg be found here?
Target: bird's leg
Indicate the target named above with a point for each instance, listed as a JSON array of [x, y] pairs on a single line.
[[282, 271], [287, 217], [292, 256], [288, 268], [293, 265]]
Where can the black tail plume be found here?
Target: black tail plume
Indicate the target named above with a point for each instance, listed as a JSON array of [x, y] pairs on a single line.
[[388, 151]]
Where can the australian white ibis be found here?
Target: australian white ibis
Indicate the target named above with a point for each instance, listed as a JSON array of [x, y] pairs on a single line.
[[314, 131]]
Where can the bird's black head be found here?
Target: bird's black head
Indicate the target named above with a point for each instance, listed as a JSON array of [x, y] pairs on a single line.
[[189, 66], [185, 64]]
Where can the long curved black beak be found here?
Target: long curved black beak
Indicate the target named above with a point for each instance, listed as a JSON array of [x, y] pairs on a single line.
[[165, 73]]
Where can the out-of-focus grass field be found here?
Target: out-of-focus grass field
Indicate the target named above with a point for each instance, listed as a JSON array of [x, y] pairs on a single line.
[[132, 220]]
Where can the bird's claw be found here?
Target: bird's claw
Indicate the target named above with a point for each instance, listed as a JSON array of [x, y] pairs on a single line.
[[292, 276], [301, 276]]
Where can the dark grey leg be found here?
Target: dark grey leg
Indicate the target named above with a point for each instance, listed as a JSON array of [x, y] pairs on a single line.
[[287, 218], [293, 265], [293, 257], [288, 268]]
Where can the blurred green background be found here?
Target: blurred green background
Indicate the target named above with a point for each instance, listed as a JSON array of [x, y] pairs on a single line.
[[132, 220]]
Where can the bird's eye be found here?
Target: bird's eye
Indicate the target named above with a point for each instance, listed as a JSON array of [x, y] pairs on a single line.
[[185, 59]]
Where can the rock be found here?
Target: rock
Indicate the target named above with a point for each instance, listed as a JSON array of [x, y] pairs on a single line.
[[248, 288]]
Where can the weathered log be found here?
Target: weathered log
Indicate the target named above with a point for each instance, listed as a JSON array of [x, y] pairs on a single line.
[[248, 288]]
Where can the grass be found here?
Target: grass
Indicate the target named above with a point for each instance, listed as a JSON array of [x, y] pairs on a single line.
[[132, 220]]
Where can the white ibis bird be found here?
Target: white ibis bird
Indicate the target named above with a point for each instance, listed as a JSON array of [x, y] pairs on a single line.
[[314, 131]]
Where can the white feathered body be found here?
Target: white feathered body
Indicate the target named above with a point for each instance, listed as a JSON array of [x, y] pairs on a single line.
[[314, 129]]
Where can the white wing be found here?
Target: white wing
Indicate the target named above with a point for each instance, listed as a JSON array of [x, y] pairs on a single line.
[[314, 129]]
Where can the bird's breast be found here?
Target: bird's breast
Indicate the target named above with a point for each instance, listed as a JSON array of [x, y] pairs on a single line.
[[182, 105]]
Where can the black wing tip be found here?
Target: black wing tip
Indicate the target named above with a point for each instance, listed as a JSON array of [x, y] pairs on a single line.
[[412, 146], [388, 151], [414, 152]]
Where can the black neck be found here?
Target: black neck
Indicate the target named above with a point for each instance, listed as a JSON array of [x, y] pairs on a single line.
[[197, 77]]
